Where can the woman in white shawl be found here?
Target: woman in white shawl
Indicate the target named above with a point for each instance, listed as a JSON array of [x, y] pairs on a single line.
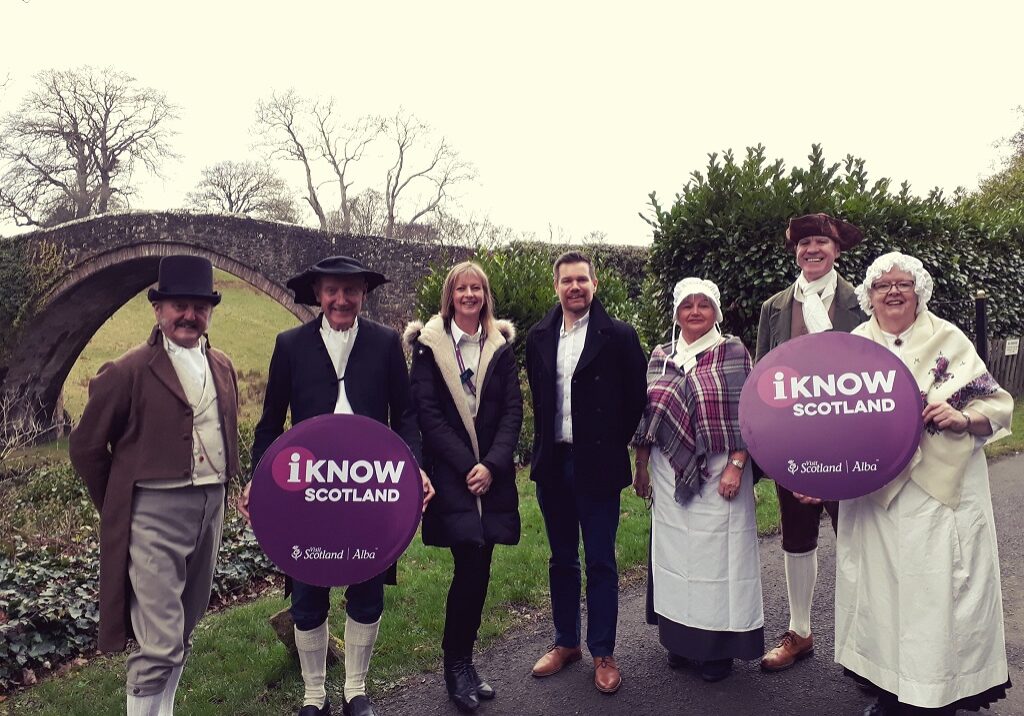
[[919, 612]]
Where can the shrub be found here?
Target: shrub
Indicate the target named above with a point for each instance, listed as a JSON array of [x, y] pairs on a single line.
[[729, 221], [49, 567]]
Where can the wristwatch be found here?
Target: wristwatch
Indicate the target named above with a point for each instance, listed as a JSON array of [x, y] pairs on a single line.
[[738, 463]]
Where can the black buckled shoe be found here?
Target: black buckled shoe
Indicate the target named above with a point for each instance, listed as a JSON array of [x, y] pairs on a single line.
[[358, 706], [324, 710], [484, 690], [461, 685]]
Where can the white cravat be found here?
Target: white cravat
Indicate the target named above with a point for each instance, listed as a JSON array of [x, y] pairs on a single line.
[[686, 353], [816, 297], [339, 347], [570, 348], [189, 364]]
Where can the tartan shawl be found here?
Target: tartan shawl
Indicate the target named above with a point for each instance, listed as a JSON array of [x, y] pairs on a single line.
[[691, 416]]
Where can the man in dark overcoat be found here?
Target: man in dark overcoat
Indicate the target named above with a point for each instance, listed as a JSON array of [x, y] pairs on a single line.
[[819, 300], [340, 362], [156, 444], [587, 373]]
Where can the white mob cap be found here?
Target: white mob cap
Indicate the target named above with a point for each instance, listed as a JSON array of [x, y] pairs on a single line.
[[692, 286], [923, 283]]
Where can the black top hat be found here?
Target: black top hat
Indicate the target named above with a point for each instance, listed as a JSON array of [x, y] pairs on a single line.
[[331, 266], [185, 277]]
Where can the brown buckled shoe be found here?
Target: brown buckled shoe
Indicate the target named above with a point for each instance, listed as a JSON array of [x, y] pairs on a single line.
[[607, 678], [555, 659], [791, 649]]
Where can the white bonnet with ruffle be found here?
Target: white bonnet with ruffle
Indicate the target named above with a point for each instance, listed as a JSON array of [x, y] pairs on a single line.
[[923, 284]]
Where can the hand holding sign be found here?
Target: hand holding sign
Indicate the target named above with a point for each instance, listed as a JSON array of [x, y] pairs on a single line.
[[336, 500], [831, 415]]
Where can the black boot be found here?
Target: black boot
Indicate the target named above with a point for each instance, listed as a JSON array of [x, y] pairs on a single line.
[[484, 690], [461, 684]]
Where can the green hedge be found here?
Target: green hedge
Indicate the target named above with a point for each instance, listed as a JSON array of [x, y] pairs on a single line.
[[729, 221]]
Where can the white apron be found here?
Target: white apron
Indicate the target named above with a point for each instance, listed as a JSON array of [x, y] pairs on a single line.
[[919, 610], [705, 565]]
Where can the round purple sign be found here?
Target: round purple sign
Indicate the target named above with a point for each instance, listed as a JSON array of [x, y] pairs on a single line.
[[831, 415], [336, 500]]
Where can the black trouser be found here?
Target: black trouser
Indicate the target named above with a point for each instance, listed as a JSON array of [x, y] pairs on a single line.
[[466, 598]]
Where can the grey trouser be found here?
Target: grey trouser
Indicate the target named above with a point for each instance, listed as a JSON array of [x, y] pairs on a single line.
[[172, 553]]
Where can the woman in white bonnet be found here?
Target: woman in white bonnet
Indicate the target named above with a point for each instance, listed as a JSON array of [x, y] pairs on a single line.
[[919, 611], [704, 583]]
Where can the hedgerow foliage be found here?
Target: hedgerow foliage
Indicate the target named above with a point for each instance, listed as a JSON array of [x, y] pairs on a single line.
[[49, 581], [728, 225]]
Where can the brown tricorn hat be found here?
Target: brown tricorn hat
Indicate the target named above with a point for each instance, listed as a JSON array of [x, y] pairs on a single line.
[[842, 232]]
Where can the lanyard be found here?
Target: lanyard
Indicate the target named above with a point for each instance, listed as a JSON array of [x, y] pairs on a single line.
[[466, 374]]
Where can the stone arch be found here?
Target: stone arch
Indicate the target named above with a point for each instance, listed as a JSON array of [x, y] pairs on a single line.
[[75, 308]]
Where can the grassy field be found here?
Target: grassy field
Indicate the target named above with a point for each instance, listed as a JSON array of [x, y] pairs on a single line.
[[244, 326]]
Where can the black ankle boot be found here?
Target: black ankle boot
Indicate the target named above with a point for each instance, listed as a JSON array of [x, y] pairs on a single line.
[[461, 684], [484, 690]]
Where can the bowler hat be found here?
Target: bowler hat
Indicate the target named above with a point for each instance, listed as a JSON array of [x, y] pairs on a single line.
[[302, 284], [185, 277], [845, 234]]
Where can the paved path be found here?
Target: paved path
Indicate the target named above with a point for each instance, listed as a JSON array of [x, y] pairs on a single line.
[[816, 686]]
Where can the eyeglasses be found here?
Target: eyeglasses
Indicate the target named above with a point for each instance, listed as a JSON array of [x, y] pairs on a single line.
[[886, 286]]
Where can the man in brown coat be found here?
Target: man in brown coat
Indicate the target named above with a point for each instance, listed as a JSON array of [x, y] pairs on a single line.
[[819, 300], [156, 445]]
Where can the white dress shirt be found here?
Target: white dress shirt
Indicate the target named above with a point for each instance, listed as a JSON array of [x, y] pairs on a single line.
[[570, 347], [469, 347], [339, 347]]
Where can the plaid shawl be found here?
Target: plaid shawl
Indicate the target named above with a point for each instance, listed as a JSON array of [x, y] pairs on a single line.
[[691, 416]]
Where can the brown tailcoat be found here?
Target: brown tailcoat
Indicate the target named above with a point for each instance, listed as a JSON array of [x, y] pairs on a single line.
[[137, 425]]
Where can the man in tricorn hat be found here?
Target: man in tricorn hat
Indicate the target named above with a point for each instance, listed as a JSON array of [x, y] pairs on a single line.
[[156, 444], [340, 362], [819, 300]]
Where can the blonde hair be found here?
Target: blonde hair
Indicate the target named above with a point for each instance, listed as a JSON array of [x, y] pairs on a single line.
[[448, 296]]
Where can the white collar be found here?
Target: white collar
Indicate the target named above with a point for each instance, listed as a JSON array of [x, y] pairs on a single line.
[[458, 334], [345, 335], [818, 285], [577, 324], [173, 348]]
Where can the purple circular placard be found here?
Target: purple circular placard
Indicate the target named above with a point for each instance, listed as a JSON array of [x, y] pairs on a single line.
[[831, 415], [336, 500]]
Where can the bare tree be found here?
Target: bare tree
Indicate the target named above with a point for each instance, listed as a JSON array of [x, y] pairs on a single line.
[[342, 145], [369, 213], [419, 162], [281, 122], [71, 148], [251, 188]]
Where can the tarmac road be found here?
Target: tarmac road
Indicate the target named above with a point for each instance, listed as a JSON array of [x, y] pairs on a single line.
[[814, 686]]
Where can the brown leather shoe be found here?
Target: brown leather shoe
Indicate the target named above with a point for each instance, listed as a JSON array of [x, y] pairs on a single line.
[[555, 659], [607, 678], [791, 649]]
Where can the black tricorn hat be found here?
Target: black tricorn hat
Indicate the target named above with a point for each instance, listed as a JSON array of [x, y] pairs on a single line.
[[185, 277], [302, 284]]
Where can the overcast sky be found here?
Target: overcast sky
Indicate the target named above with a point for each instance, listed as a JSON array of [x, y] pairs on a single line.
[[572, 112]]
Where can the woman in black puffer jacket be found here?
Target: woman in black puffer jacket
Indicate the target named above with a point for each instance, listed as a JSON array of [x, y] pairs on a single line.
[[465, 385]]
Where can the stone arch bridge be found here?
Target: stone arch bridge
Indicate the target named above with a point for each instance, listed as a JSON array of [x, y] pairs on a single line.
[[96, 265]]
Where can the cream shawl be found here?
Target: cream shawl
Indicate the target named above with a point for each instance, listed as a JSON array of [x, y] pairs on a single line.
[[946, 368]]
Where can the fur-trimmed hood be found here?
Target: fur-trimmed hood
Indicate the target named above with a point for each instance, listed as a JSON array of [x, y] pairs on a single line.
[[434, 337], [415, 329]]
